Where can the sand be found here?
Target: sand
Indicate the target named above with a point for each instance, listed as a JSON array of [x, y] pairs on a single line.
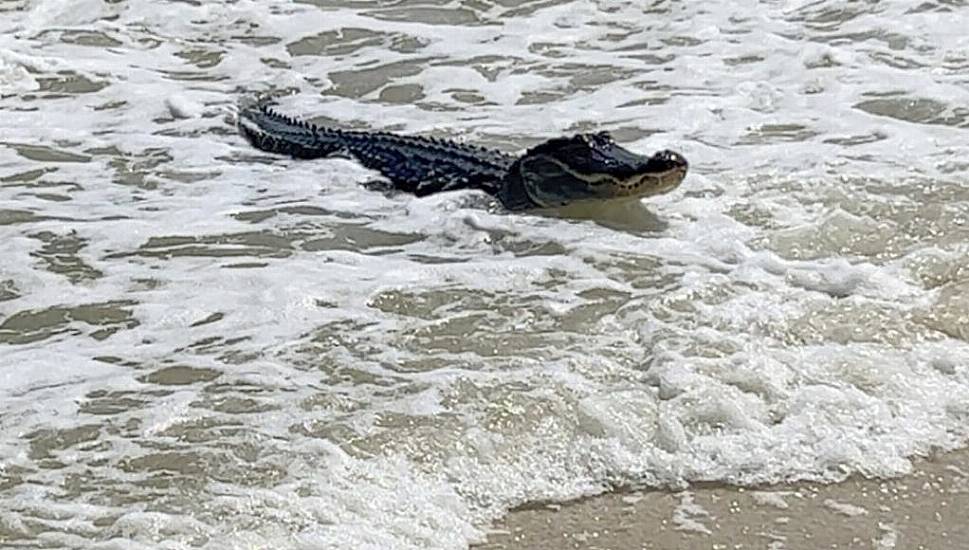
[[928, 509]]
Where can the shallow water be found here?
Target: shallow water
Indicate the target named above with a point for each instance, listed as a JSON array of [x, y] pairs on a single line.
[[205, 346]]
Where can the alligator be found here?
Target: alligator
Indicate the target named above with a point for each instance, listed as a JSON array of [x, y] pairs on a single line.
[[561, 171]]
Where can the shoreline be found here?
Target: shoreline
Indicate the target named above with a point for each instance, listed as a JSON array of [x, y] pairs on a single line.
[[924, 509]]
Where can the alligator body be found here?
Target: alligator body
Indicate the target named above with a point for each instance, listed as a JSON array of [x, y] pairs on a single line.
[[561, 171]]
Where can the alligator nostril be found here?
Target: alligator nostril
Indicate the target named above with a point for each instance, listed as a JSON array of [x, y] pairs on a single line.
[[674, 158]]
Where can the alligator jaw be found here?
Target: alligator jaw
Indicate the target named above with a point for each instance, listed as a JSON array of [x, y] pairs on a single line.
[[592, 167], [663, 172]]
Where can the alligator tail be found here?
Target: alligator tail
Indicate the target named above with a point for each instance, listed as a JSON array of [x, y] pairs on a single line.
[[272, 132]]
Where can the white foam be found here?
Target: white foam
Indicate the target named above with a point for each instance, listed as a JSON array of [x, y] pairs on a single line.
[[844, 508], [15, 77], [771, 498], [686, 514], [182, 107], [888, 538]]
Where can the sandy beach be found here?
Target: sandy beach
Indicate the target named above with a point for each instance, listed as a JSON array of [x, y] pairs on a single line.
[[924, 510]]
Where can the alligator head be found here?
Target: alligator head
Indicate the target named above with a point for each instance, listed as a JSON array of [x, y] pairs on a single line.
[[589, 167]]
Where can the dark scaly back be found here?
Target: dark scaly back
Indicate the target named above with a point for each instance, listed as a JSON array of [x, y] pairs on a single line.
[[414, 164]]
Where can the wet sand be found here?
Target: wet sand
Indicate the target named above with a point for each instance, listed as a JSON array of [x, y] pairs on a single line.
[[928, 509]]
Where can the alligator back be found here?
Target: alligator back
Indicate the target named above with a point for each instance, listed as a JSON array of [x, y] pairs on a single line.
[[413, 164]]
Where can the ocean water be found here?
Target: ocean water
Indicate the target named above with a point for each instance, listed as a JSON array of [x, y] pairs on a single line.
[[204, 346]]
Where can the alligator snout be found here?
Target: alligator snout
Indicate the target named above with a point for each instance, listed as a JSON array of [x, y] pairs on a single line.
[[668, 160]]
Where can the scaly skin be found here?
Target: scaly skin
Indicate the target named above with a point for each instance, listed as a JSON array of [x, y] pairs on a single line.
[[414, 164], [558, 172]]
